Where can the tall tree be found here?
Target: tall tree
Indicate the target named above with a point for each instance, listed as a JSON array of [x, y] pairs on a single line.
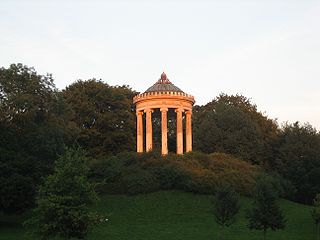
[[265, 213], [226, 206], [104, 116], [297, 158], [63, 200], [32, 134], [24, 94], [233, 125], [315, 213]]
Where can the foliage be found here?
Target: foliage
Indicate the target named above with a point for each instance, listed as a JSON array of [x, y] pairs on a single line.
[[297, 158], [104, 116], [195, 172], [33, 133], [24, 95], [265, 213], [315, 213], [63, 200], [232, 124], [37, 122], [137, 180], [226, 206], [16, 187]]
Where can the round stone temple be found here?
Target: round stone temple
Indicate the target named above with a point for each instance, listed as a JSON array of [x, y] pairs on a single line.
[[164, 95]]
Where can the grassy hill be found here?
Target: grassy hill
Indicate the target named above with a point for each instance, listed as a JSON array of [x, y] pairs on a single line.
[[174, 215]]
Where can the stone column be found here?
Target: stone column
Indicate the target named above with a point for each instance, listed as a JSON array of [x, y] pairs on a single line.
[[179, 131], [164, 131], [189, 131], [139, 131], [148, 129]]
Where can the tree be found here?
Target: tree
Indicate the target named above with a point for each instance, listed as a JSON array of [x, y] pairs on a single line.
[[32, 134], [232, 124], [297, 158], [17, 190], [226, 206], [24, 94], [104, 115], [265, 213], [63, 200], [315, 213]]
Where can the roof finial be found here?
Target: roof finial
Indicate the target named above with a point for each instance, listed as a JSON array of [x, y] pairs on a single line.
[[164, 79]]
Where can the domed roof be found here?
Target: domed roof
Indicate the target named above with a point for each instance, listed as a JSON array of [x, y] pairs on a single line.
[[163, 84]]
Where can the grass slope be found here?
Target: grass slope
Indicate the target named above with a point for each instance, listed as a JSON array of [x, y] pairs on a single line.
[[175, 215]]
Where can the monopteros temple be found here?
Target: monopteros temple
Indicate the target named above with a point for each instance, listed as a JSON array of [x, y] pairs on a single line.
[[164, 95]]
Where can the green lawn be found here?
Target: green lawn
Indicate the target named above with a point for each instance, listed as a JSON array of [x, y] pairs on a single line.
[[175, 215]]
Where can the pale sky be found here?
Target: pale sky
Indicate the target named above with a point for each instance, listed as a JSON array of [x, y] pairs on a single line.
[[266, 50]]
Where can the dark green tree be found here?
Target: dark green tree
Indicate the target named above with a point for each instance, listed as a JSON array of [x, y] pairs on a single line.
[[63, 200], [32, 134], [24, 94], [226, 206], [104, 116], [315, 213], [265, 213], [17, 189], [297, 159], [232, 124]]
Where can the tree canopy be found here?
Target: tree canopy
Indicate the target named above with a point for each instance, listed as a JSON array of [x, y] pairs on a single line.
[[64, 199], [32, 134], [297, 158], [233, 125], [37, 122], [104, 116]]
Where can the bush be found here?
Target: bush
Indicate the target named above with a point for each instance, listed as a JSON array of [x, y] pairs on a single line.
[[108, 169], [202, 181], [167, 175], [193, 172], [136, 180]]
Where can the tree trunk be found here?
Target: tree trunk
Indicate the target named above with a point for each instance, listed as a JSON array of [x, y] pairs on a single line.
[[222, 236], [318, 231], [222, 233], [264, 234]]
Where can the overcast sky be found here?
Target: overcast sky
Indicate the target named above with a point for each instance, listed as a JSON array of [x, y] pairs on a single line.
[[268, 50]]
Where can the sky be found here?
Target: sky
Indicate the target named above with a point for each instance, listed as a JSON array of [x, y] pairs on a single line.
[[266, 50]]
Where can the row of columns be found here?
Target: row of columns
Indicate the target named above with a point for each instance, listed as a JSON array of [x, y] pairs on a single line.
[[164, 130]]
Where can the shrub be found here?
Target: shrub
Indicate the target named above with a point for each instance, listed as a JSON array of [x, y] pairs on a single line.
[[201, 181], [106, 169], [136, 180], [167, 175], [193, 172]]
